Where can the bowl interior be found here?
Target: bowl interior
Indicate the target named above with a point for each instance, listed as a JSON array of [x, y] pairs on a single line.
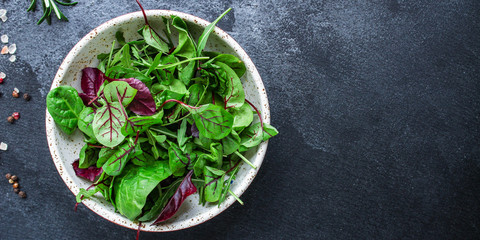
[[65, 148]]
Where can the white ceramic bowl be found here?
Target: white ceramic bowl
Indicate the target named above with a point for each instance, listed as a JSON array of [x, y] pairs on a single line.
[[65, 148]]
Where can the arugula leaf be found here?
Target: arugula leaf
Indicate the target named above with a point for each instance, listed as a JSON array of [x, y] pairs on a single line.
[[186, 46], [64, 104], [202, 41], [153, 40]]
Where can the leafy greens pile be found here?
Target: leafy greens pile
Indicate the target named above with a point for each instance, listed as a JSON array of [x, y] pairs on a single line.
[[161, 122]]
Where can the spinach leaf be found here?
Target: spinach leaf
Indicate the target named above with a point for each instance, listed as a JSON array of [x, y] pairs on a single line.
[[135, 185], [64, 104], [104, 155], [242, 117], [88, 156], [231, 143]]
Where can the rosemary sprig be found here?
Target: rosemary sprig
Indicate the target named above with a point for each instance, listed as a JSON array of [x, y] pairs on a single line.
[[48, 7]]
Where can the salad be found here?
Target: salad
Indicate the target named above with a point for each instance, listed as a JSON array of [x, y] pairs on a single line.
[[161, 122]]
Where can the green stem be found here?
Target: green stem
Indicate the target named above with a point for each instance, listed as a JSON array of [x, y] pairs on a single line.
[[235, 196], [181, 62], [164, 132], [245, 160]]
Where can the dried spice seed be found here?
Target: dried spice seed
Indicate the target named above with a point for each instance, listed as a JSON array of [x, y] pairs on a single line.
[[12, 58], [15, 185], [10, 181], [27, 97], [16, 190], [15, 94], [10, 119], [16, 115], [1, 80], [8, 175], [22, 194], [3, 75], [14, 178]]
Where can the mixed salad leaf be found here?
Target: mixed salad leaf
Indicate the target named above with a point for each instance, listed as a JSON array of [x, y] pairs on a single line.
[[161, 122]]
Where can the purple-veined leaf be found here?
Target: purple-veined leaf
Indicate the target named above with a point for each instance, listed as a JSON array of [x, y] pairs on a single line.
[[185, 189], [212, 121], [89, 173], [143, 103], [117, 161], [234, 95], [108, 123], [92, 80], [119, 91], [141, 123]]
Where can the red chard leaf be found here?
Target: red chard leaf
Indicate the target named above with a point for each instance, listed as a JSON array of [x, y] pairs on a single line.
[[89, 173], [143, 103], [92, 80], [185, 189]]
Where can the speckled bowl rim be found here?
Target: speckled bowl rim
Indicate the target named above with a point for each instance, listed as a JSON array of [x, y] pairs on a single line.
[[212, 211]]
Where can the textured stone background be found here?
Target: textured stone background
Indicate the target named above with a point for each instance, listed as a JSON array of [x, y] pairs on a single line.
[[377, 103]]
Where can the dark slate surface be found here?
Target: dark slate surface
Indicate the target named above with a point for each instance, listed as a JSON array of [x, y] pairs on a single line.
[[377, 103]]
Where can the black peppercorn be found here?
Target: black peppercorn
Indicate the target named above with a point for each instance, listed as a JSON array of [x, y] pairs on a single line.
[[22, 194], [8, 175], [26, 96], [15, 94], [14, 177], [16, 190], [10, 119]]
